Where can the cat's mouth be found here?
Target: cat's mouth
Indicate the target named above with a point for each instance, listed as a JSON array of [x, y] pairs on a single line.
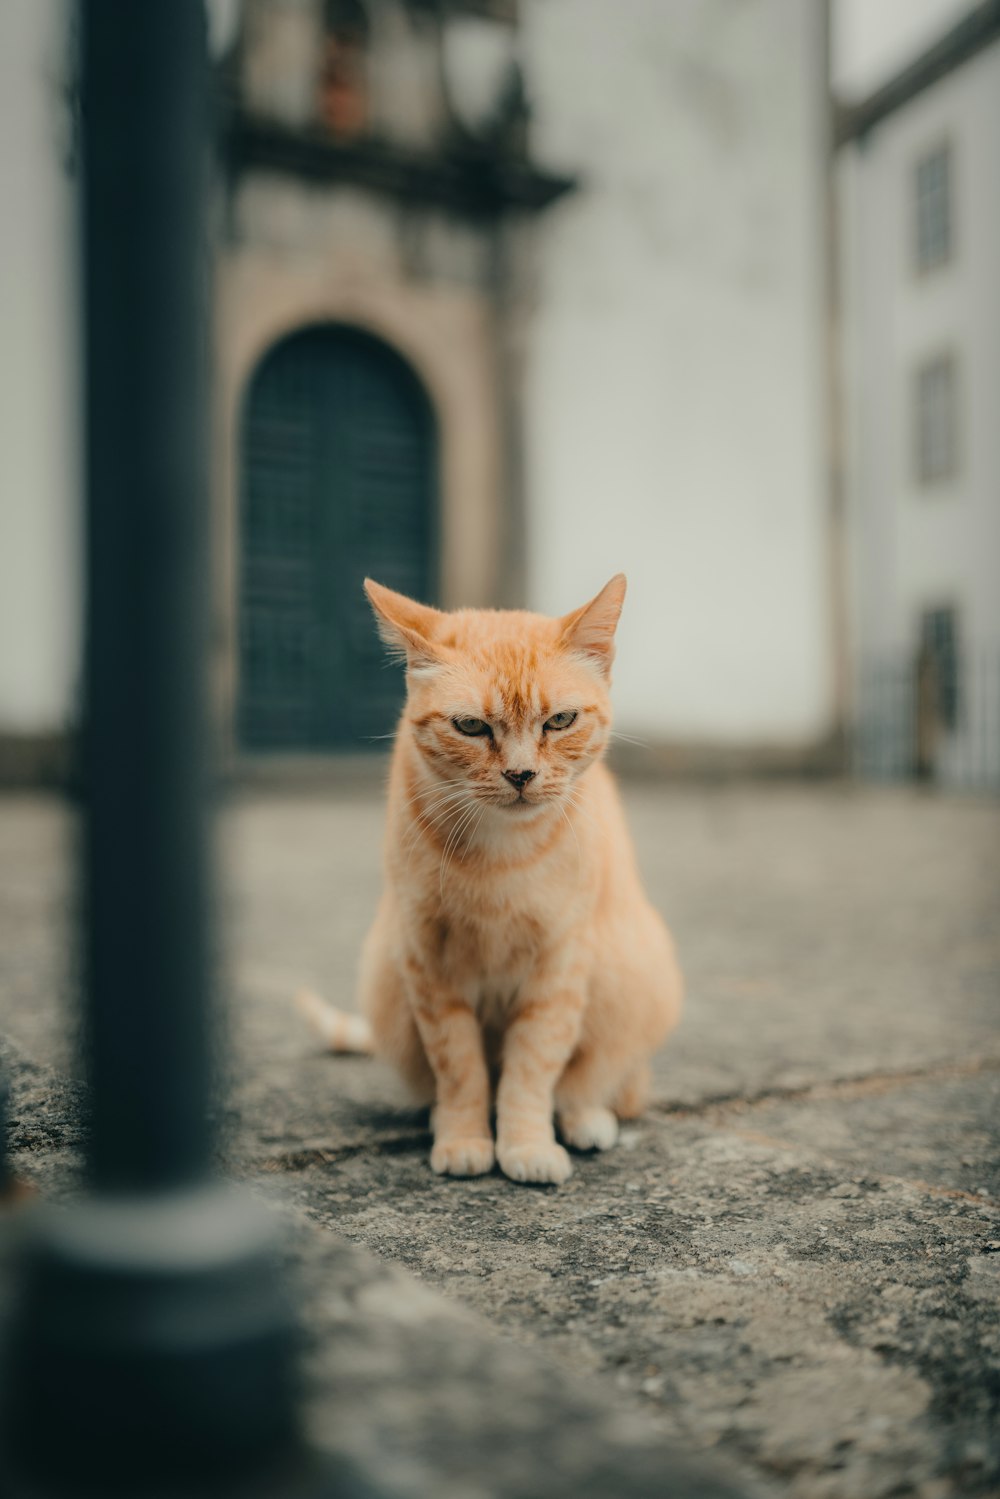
[[522, 803], [518, 802]]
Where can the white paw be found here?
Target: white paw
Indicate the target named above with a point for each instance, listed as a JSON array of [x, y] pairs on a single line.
[[462, 1157], [589, 1129], [545, 1162]]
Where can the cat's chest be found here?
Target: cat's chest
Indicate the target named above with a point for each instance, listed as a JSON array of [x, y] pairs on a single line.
[[485, 931], [490, 953]]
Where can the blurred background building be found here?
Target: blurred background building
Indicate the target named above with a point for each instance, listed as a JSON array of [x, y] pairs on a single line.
[[920, 247], [40, 503], [512, 294], [377, 187]]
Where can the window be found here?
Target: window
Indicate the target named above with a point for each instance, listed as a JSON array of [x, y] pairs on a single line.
[[343, 88], [939, 662], [936, 420], [933, 206]]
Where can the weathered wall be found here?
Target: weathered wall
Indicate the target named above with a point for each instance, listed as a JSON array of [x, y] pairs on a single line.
[[675, 406], [39, 512], [917, 546], [672, 392]]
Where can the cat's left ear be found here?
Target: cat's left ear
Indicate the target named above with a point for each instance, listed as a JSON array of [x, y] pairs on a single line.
[[405, 625], [590, 631]]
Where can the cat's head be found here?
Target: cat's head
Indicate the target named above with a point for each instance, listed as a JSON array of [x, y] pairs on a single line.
[[512, 705]]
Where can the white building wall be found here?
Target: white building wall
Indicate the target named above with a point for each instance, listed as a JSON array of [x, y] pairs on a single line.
[[675, 396], [675, 399], [873, 40], [39, 512], [917, 546]]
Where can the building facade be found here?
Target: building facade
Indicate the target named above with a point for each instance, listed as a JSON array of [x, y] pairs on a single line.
[[677, 399], [40, 521], [920, 200], [508, 297], [633, 378], [377, 188]]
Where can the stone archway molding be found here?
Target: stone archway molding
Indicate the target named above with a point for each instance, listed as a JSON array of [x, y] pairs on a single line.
[[444, 335]]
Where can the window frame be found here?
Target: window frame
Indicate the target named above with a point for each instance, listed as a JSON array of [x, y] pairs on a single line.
[[929, 476], [942, 148]]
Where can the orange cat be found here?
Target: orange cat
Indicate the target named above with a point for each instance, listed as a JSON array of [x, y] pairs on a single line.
[[514, 945]]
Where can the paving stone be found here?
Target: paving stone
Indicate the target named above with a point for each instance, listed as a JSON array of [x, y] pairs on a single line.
[[835, 1334]]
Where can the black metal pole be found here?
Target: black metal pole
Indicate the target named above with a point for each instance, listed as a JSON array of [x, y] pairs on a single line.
[[151, 1349], [145, 105]]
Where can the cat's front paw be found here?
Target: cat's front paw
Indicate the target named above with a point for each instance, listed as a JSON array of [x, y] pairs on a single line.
[[589, 1129], [462, 1156], [544, 1162]]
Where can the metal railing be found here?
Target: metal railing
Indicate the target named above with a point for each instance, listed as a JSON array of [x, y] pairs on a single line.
[[929, 717]]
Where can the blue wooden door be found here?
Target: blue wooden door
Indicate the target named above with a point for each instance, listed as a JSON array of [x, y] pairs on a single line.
[[337, 481]]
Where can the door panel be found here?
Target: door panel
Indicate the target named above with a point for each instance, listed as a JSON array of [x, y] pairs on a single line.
[[338, 481]]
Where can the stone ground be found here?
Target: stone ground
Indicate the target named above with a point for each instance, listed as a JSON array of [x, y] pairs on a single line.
[[790, 1267]]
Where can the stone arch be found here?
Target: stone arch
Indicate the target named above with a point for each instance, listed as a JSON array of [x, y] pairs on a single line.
[[446, 341]]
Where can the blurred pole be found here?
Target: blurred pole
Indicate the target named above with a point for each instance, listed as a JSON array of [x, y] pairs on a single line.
[[151, 1349], [145, 104]]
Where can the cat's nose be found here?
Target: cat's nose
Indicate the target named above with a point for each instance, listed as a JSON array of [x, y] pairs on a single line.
[[520, 778]]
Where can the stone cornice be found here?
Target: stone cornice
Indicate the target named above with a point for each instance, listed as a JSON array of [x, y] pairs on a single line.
[[974, 32], [476, 181]]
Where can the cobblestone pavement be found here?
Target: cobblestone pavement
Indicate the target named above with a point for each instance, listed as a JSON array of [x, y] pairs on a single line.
[[792, 1261]]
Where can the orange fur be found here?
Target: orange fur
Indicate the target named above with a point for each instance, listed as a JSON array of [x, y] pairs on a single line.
[[514, 960]]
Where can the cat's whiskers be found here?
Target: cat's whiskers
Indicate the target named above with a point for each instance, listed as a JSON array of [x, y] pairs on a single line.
[[428, 799], [453, 842], [502, 829], [429, 808], [425, 827], [569, 824], [575, 798], [429, 796], [476, 825], [441, 812], [494, 826], [427, 830]]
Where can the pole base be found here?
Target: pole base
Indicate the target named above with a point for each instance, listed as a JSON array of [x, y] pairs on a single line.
[[303, 1475], [151, 1349]]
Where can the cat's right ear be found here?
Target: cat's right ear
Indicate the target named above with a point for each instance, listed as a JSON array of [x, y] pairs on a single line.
[[406, 626], [590, 631]]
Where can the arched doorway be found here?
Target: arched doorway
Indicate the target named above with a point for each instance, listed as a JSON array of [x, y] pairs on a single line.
[[337, 481]]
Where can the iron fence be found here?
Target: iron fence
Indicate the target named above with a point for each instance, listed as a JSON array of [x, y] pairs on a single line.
[[930, 716]]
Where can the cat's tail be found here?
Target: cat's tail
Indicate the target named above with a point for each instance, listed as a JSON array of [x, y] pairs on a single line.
[[342, 1032]]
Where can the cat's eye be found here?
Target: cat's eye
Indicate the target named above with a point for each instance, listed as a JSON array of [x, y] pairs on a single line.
[[561, 720], [472, 726]]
